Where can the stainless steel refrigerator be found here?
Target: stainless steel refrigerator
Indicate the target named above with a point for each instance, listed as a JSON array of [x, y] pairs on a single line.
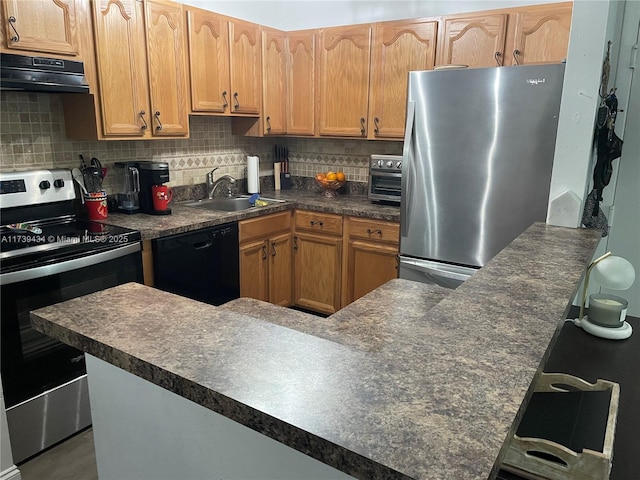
[[477, 159]]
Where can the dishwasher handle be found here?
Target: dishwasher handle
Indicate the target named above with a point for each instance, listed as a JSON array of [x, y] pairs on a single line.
[[202, 245]]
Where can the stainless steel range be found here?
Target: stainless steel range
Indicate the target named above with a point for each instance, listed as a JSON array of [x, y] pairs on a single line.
[[48, 255], [385, 176]]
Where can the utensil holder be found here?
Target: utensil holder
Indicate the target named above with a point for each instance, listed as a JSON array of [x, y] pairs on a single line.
[[96, 204]]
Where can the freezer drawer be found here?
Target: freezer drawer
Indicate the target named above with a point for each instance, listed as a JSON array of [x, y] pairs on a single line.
[[426, 271]]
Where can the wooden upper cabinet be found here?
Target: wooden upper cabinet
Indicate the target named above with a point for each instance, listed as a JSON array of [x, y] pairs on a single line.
[[47, 26], [167, 67], [246, 67], [475, 40], [344, 54], [274, 86], [122, 69], [398, 48], [208, 35], [301, 68], [540, 34]]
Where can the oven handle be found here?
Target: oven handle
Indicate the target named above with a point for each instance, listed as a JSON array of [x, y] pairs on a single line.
[[76, 263], [378, 173]]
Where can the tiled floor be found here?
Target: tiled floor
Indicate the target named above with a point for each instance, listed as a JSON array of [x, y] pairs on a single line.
[[73, 459]]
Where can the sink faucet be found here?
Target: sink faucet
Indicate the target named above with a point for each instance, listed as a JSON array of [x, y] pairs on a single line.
[[212, 185]]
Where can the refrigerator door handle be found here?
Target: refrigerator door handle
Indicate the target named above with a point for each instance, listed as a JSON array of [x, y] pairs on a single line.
[[407, 159], [453, 272]]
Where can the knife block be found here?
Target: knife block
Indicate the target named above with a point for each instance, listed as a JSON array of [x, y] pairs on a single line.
[[285, 181]]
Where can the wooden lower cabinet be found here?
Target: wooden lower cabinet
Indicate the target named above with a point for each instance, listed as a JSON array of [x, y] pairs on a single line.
[[317, 254], [371, 256], [328, 262], [317, 266], [265, 259]]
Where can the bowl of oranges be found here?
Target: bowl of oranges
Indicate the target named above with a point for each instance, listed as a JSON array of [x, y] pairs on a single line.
[[330, 182]]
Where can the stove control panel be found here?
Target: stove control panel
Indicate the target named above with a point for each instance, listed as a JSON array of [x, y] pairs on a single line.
[[32, 187], [12, 186]]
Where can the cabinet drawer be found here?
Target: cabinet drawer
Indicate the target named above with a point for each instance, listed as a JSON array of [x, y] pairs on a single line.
[[319, 222], [261, 227], [377, 230]]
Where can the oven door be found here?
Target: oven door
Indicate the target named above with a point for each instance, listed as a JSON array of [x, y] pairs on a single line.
[[385, 186], [35, 368]]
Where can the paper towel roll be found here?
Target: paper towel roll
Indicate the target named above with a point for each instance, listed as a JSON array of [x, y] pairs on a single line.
[[253, 174], [276, 174]]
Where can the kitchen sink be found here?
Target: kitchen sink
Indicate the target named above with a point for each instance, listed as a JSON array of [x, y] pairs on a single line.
[[228, 204]]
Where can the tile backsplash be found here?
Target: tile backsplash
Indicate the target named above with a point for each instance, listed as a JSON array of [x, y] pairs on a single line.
[[32, 136]]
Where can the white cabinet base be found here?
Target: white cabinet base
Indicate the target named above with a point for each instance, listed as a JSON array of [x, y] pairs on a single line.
[[142, 431]]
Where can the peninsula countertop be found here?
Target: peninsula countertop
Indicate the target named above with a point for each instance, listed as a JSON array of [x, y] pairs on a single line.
[[183, 218], [406, 382]]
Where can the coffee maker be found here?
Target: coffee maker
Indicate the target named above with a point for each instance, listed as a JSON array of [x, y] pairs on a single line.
[[151, 174]]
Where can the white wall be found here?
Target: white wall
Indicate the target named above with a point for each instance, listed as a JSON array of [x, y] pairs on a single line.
[[624, 238], [302, 14]]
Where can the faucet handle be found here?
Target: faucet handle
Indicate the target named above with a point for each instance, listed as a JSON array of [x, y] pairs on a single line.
[[210, 175]]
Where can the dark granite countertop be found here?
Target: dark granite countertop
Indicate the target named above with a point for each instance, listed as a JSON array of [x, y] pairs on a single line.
[[407, 382], [184, 219]]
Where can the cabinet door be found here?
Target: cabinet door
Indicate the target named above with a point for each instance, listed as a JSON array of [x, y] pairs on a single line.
[[541, 35], [369, 265], [119, 37], [41, 26], [167, 68], [208, 61], [280, 270], [474, 40], [274, 89], [317, 260], [343, 86], [398, 48], [245, 64], [301, 75], [253, 270]]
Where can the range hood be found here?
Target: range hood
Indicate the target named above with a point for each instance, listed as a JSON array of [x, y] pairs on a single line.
[[40, 74]]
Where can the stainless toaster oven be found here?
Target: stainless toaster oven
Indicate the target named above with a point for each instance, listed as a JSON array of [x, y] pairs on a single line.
[[385, 175]]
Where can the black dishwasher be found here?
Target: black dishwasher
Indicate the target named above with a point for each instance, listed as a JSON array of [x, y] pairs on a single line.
[[203, 265]]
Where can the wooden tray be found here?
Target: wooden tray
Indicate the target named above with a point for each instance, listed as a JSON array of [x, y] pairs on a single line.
[[567, 431]]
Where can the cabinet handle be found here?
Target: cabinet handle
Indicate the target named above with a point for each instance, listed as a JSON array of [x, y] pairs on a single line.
[[376, 122], [497, 56], [236, 104], [224, 98], [515, 56], [264, 252], [268, 124], [16, 37], [377, 230], [157, 116], [362, 129], [295, 242], [273, 249], [313, 223], [144, 122]]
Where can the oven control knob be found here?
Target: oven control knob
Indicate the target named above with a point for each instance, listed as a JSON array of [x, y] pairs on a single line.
[[44, 185], [381, 163], [399, 165], [389, 164], [58, 183]]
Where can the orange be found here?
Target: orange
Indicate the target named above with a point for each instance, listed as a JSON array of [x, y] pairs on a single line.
[[340, 177], [319, 176], [331, 176]]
